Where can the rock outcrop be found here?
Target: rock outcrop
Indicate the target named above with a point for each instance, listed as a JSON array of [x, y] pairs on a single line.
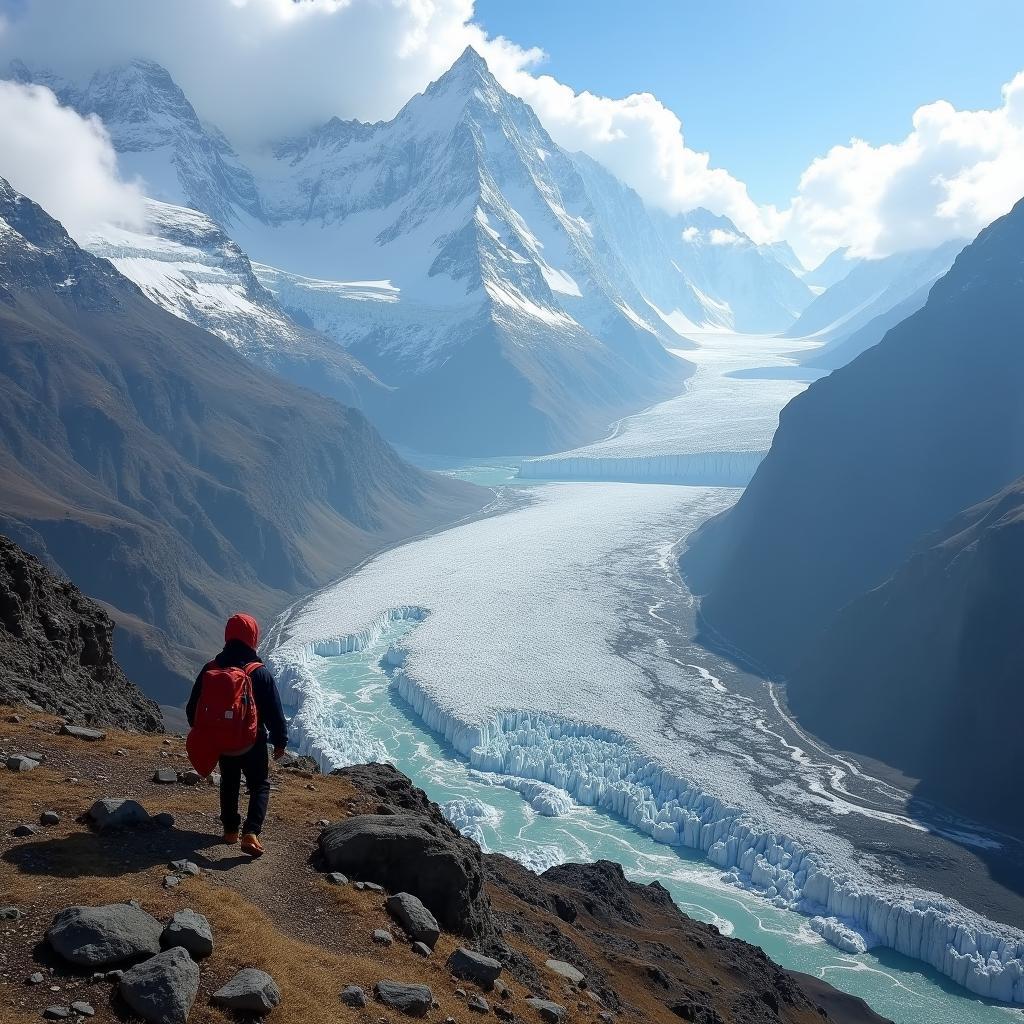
[[57, 649]]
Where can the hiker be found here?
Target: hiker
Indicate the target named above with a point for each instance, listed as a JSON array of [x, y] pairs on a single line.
[[235, 711]]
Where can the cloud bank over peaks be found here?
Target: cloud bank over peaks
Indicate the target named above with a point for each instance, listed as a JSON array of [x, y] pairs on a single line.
[[63, 161]]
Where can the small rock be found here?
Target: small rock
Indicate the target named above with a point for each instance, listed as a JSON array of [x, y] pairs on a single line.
[[190, 777], [165, 776], [460, 993], [14, 719], [418, 922], [163, 988], [24, 830], [566, 971], [21, 763], [503, 1013], [311, 787], [383, 937], [479, 1004], [337, 878], [163, 819], [82, 733], [323, 823], [114, 975], [96, 936], [191, 931], [421, 948], [49, 818], [56, 1012], [167, 743], [111, 812], [414, 1000], [34, 979], [83, 1009], [10, 914], [213, 778], [120, 752], [370, 886], [605, 1017], [481, 970], [184, 867], [502, 989], [171, 881], [353, 995], [250, 990], [548, 1011]]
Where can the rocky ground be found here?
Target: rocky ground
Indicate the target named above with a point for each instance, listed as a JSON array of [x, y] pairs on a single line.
[[579, 943]]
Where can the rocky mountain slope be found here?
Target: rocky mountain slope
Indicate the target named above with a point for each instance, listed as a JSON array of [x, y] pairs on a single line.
[[185, 263], [579, 943], [57, 649], [171, 479], [865, 464], [936, 645]]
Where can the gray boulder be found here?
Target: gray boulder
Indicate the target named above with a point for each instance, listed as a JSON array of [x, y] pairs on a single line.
[[95, 936], [184, 867], [421, 949], [24, 830], [412, 853], [475, 967], [111, 812], [83, 1009], [382, 937], [163, 988], [49, 818], [191, 931], [250, 990], [548, 1011], [82, 733], [566, 971], [21, 763], [57, 1013], [353, 995], [418, 922], [415, 1000], [165, 776], [337, 878], [479, 1004], [10, 914]]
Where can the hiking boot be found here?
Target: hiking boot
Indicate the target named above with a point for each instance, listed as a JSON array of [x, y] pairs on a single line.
[[230, 838], [251, 845]]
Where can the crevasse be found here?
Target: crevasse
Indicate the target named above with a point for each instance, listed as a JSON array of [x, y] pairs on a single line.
[[599, 767]]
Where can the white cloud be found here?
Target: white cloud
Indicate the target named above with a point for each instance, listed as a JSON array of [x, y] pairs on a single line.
[[62, 161], [719, 237], [954, 173], [268, 68], [691, 234]]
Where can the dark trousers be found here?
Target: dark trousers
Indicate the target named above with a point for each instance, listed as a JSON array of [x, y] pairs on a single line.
[[255, 766]]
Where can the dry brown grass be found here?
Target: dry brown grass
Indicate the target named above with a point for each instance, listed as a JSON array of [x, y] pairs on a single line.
[[277, 914]]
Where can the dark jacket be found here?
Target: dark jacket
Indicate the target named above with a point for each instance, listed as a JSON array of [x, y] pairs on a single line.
[[270, 715]]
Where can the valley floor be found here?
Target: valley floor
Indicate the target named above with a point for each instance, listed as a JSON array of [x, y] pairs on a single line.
[[550, 654]]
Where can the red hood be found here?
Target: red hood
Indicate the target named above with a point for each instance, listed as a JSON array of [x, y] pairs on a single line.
[[243, 628]]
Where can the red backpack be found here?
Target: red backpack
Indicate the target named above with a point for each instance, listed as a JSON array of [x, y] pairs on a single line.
[[225, 721]]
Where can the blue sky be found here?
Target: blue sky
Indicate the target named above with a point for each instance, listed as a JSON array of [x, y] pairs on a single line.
[[766, 86]]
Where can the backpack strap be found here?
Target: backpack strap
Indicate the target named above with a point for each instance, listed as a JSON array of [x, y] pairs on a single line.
[[251, 667]]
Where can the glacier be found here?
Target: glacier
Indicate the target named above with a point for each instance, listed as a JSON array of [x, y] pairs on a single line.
[[715, 433], [533, 709]]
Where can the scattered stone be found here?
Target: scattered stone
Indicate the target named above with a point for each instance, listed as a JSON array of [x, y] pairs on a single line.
[[49, 818], [323, 823], [479, 1004], [14, 719], [421, 949], [83, 1009], [382, 937], [213, 778], [165, 776], [475, 967], [96, 936], [24, 830], [56, 1012], [311, 787], [337, 878], [171, 881], [503, 1013], [418, 922], [34, 979], [120, 752], [353, 995], [369, 886], [191, 931], [21, 763], [190, 777], [163, 988], [567, 971], [548, 1011], [415, 1000], [502, 989], [10, 914], [605, 1017], [111, 812], [114, 975], [34, 755], [166, 742], [250, 990], [184, 867], [163, 819], [80, 732]]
